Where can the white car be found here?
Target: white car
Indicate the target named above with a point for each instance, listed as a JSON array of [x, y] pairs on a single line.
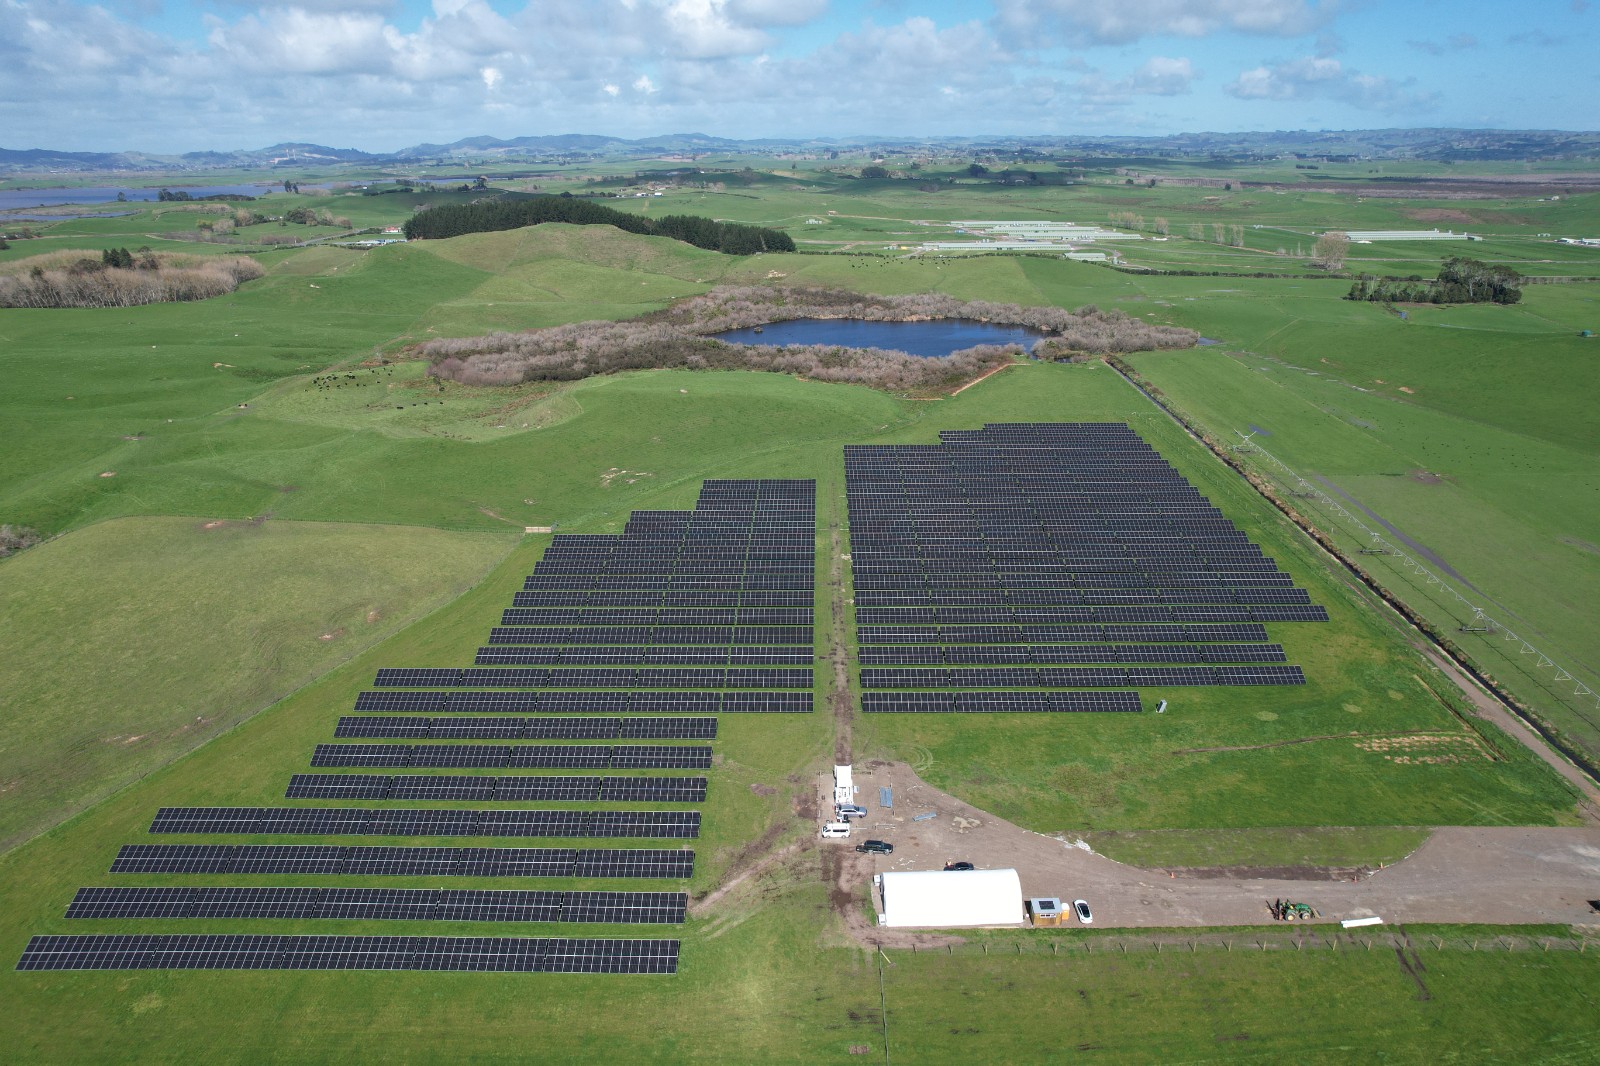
[[1081, 908]]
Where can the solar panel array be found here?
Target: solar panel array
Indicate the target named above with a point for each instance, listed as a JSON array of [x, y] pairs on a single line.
[[431, 861], [1033, 561], [687, 614], [216, 951], [399, 904]]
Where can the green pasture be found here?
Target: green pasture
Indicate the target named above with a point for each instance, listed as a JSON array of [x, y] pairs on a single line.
[[1465, 430], [128, 640]]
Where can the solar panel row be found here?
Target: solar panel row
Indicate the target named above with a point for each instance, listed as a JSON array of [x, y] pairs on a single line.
[[252, 952], [590, 703], [490, 756], [1035, 634], [1037, 701], [1045, 654], [744, 636], [426, 822], [619, 655], [371, 904], [497, 789], [343, 860], [407, 728], [1078, 676], [597, 677]]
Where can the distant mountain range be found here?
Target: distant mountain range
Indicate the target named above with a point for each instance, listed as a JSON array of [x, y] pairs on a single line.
[[1432, 144]]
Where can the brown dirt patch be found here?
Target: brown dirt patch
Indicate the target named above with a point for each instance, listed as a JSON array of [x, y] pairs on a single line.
[[763, 790], [1427, 477], [373, 615], [332, 634], [1437, 214], [215, 523]]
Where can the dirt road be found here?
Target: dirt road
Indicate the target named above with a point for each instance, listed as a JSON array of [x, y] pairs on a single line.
[[1460, 875]]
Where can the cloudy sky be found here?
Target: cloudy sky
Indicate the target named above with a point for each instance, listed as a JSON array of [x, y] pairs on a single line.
[[179, 75]]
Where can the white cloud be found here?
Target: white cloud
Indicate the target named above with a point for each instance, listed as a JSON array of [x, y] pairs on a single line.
[[1322, 77], [1157, 76], [1122, 21], [491, 77], [611, 90], [703, 29], [643, 84]]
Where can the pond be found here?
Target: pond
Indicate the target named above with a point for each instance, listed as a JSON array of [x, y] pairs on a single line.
[[935, 338]]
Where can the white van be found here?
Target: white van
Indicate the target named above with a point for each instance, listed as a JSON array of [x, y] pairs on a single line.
[[834, 830]]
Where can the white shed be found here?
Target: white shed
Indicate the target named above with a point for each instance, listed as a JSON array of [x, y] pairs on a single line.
[[943, 899]]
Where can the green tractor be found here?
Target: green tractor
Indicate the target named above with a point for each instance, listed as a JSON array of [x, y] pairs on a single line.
[[1284, 910]]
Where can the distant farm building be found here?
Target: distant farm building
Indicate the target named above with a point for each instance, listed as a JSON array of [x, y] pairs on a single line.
[[1366, 236], [1587, 242], [940, 899]]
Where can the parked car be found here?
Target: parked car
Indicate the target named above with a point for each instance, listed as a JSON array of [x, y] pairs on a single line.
[[846, 811], [833, 830], [1081, 908], [876, 847], [959, 866]]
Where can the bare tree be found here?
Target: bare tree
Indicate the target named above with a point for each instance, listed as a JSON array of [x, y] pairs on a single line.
[[1330, 251]]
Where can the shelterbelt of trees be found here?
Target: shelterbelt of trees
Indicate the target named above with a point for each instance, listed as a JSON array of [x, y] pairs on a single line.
[[677, 338], [453, 220], [117, 277], [1460, 281]]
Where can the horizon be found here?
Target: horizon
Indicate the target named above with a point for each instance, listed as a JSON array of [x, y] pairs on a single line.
[[210, 75]]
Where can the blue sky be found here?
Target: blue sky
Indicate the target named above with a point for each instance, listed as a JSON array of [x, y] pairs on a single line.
[[176, 75]]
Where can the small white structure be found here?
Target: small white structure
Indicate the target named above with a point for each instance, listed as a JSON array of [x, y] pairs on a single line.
[[1367, 236], [844, 789], [939, 899]]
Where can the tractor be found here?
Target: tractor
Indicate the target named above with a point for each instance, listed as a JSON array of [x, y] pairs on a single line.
[[1284, 910]]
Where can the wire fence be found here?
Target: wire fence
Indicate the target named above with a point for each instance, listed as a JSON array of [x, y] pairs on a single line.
[[1299, 939]]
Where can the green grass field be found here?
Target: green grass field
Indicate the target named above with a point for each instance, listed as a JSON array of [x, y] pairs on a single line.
[[393, 494]]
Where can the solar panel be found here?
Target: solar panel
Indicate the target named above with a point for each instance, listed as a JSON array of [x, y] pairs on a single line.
[[425, 822], [257, 952]]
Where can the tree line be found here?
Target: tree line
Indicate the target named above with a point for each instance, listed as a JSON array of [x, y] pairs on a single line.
[[453, 220], [1460, 281]]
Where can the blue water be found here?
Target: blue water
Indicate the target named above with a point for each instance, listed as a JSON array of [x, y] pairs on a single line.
[[940, 337], [11, 199]]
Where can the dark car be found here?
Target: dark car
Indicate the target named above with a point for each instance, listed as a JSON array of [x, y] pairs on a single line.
[[959, 866], [876, 847]]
